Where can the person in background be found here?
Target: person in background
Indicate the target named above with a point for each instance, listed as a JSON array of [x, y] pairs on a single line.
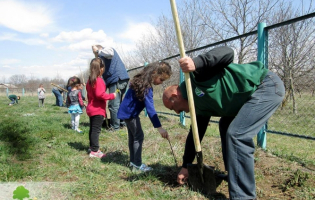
[[96, 108], [138, 97], [41, 95], [116, 79], [243, 95], [75, 103], [14, 99], [80, 88], [60, 94]]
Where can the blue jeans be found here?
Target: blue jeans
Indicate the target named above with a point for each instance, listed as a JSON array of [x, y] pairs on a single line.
[[12, 101], [59, 99], [113, 105], [237, 135]]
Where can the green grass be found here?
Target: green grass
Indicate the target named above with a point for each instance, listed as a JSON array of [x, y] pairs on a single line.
[[38, 146]]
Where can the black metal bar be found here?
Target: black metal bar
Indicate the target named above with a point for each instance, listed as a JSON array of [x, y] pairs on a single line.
[[237, 37], [290, 21], [269, 131], [291, 134], [241, 36]]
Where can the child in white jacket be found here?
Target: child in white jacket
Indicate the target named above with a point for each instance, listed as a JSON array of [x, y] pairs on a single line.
[[41, 95]]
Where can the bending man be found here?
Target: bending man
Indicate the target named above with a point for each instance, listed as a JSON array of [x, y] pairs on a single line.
[[243, 95]]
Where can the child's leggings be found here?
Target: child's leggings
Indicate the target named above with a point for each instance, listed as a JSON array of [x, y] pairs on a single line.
[[41, 102], [75, 118]]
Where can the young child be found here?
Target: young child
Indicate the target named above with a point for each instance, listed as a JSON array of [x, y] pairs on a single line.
[[138, 97], [13, 99], [75, 103], [97, 97], [41, 95]]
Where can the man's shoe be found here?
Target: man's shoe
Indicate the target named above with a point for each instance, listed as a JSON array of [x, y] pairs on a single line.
[[122, 126], [222, 176], [111, 129]]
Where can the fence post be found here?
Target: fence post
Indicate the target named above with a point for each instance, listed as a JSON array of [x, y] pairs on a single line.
[[7, 92], [182, 114], [262, 136], [23, 92]]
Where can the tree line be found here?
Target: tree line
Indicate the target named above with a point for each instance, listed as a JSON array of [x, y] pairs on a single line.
[[290, 47]]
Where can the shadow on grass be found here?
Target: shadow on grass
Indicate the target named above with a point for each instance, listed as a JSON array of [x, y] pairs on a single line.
[[67, 126], [85, 124], [168, 175], [118, 157], [15, 135], [78, 146]]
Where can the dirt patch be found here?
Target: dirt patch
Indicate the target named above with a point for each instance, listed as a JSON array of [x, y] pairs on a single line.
[[276, 178]]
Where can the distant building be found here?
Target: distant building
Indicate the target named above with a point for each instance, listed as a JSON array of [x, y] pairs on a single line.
[[3, 85]]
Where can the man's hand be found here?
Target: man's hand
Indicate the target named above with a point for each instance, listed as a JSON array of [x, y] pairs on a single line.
[[187, 64], [95, 51], [182, 176]]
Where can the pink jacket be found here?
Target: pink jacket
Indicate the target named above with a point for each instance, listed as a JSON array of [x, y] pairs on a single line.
[[97, 98]]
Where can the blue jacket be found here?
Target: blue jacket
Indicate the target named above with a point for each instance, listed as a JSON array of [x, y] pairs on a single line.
[[114, 69], [131, 107]]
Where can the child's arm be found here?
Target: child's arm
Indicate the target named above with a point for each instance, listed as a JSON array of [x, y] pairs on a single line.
[[148, 101], [68, 102], [100, 91], [163, 132], [81, 103]]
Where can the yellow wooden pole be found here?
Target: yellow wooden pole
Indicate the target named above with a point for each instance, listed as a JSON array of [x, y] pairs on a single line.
[[187, 79]]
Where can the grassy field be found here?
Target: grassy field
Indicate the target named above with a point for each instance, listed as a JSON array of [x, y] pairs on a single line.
[[40, 152]]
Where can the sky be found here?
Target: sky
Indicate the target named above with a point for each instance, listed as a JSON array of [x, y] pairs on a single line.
[[44, 38]]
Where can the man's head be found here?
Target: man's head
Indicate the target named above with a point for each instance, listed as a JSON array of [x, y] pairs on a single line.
[[18, 97], [173, 99], [95, 49]]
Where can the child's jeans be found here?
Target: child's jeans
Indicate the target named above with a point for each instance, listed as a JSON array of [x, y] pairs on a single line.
[[41, 102], [75, 118], [135, 140], [12, 101]]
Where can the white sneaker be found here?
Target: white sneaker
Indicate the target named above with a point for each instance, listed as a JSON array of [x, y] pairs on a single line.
[[141, 168]]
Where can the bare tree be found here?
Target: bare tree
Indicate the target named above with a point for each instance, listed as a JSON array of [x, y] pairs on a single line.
[[58, 79], [291, 51], [3, 79], [32, 85], [18, 80], [230, 18], [162, 43]]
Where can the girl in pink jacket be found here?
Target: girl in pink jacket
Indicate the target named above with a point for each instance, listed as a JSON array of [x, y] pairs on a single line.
[[96, 108]]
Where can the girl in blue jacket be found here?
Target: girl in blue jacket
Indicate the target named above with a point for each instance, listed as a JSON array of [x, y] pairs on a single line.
[[138, 97]]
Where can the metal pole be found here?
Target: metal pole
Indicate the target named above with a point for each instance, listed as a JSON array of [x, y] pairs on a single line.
[[262, 136], [182, 114]]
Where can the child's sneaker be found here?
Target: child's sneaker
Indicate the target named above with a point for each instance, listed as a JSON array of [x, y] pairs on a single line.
[[141, 168], [79, 131], [97, 154]]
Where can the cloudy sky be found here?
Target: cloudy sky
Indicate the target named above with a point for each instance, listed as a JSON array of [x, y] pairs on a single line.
[[44, 38]]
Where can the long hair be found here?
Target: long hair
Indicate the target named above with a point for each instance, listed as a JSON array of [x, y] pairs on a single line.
[[95, 70], [142, 81], [74, 81]]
